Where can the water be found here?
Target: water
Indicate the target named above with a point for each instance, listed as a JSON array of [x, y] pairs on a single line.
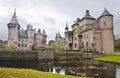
[[80, 68], [118, 71]]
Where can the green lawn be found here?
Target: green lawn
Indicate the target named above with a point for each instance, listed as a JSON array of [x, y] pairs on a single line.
[[29, 73], [114, 58]]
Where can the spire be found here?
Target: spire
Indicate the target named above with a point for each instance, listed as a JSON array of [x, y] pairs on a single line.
[[66, 28], [58, 35], [106, 12], [87, 14], [14, 18], [44, 33]]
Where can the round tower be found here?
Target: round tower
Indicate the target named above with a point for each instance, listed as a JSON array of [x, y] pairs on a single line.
[[13, 28], [106, 20], [106, 26], [38, 38]]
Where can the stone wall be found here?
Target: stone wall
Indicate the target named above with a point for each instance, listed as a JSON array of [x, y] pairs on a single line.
[[44, 55], [75, 55], [18, 56]]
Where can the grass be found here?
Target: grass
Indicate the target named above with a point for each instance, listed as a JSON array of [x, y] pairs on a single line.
[[29, 73], [113, 58]]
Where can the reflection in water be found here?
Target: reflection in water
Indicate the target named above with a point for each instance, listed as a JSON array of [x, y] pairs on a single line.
[[80, 68], [118, 71]]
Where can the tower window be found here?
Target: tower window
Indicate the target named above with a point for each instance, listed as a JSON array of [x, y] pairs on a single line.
[[18, 44], [75, 45], [104, 23], [87, 44], [82, 45], [25, 45], [22, 45]]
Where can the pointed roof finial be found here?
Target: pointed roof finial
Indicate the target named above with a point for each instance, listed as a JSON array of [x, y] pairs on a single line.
[[14, 9], [15, 12]]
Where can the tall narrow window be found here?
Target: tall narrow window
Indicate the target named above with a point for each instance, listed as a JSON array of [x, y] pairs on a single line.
[[75, 45], [25, 45], [87, 44], [104, 23], [18, 44], [82, 45], [22, 45]]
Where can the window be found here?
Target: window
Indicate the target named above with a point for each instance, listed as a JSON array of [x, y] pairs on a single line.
[[104, 23], [87, 44], [25, 45], [82, 45], [75, 45], [18, 44], [22, 45], [75, 38]]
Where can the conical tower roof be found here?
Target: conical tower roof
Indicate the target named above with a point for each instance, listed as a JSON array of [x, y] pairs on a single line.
[[14, 18], [106, 12], [59, 35]]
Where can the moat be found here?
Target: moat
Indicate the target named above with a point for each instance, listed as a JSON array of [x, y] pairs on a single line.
[[83, 68]]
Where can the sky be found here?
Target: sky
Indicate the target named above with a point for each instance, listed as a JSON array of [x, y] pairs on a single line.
[[52, 15]]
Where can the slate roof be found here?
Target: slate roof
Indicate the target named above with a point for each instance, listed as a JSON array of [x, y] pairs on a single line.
[[14, 18], [106, 12]]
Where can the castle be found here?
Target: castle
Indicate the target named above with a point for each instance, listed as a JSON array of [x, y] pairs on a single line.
[[89, 33], [24, 39]]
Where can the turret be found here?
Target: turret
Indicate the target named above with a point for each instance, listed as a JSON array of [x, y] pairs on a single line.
[[13, 28], [58, 36], [106, 26], [30, 31], [106, 20]]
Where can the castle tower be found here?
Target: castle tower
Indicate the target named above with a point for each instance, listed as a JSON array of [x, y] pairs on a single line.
[[106, 25], [38, 38], [30, 31], [13, 27]]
